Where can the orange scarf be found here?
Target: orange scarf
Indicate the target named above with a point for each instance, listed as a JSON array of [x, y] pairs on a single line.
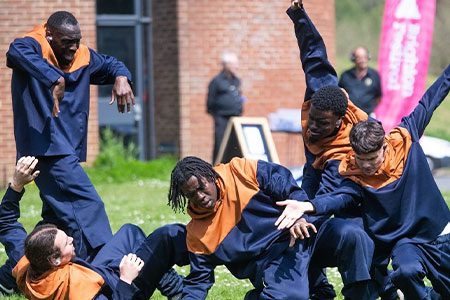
[[209, 227], [334, 147], [81, 58], [398, 144], [70, 281]]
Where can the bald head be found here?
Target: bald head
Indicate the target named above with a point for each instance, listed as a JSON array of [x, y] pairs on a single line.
[[360, 57], [230, 62]]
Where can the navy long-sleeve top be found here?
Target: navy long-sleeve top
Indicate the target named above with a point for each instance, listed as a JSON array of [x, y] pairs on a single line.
[[401, 202], [240, 231], [320, 173], [11, 230], [35, 71]]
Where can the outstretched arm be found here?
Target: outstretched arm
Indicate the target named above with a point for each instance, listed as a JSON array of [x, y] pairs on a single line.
[[12, 233], [418, 120], [318, 70], [109, 70]]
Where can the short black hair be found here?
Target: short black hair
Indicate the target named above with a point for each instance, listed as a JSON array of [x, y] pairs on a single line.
[[60, 18], [182, 172], [367, 137], [330, 98]]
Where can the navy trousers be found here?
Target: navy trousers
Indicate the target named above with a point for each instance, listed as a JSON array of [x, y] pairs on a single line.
[[413, 262], [71, 202], [126, 240], [284, 277], [344, 244], [162, 249], [220, 124]]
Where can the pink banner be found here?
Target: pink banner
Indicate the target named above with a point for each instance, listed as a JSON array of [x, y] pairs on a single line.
[[404, 54]]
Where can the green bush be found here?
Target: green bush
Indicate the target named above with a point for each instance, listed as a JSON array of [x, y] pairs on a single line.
[[117, 163]]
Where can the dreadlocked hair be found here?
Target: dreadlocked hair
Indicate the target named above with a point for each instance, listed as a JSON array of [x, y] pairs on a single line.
[[61, 18], [330, 98], [40, 248], [183, 171]]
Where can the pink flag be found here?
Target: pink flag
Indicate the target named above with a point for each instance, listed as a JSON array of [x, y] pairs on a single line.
[[404, 55]]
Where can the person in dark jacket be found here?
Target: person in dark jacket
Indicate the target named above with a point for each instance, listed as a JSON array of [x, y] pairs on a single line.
[[241, 212], [403, 209], [51, 74], [327, 118], [362, 82], [45, 263], [224, 98]]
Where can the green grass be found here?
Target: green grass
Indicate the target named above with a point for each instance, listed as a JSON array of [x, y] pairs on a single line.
[[143, 202]]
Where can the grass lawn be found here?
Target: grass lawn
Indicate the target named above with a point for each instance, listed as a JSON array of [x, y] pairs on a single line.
[[143, 202]]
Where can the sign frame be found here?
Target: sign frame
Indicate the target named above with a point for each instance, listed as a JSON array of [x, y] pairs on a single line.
[[248, 137]]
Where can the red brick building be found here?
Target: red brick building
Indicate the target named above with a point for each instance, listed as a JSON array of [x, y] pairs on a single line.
[[188, 39]]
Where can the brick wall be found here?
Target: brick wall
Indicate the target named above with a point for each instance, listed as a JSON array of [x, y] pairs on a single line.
[[166, 76], [189, 37], [262, 35], [16, 18]]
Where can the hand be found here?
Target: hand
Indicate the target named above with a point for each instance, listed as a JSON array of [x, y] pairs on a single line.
[[123, 93], [23, 173], [58, 94], [296, 4], [130, 266], [292, 212], [300, 230]]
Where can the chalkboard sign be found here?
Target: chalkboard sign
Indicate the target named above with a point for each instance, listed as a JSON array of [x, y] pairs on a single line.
[[247, 137]]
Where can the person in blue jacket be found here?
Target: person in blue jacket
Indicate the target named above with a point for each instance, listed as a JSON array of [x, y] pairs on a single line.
[[45, 262], [327, 118], [51, 75], [403, 209], [235, 209]]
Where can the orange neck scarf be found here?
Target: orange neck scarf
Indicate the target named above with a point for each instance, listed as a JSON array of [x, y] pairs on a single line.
[[333, 147], [70, 281], [81, 58], [209, 227], [398, 144]]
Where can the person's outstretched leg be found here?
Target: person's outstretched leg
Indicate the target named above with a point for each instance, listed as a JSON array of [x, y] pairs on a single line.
[[163, 248], [409, 271], [72, 203], [286, 277], [413, 262], [344, 244]]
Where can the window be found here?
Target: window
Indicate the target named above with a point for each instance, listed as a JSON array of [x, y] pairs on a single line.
[[115, 7], [124, 31]]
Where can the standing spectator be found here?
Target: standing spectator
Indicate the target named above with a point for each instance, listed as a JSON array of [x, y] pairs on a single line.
[[224, 98], [51, 75], [361, 82]]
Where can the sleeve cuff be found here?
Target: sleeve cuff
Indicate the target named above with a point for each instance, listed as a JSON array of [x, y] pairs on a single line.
[[126, 290], [296, 14], [319, 207], [52, 77], [11, 194]]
